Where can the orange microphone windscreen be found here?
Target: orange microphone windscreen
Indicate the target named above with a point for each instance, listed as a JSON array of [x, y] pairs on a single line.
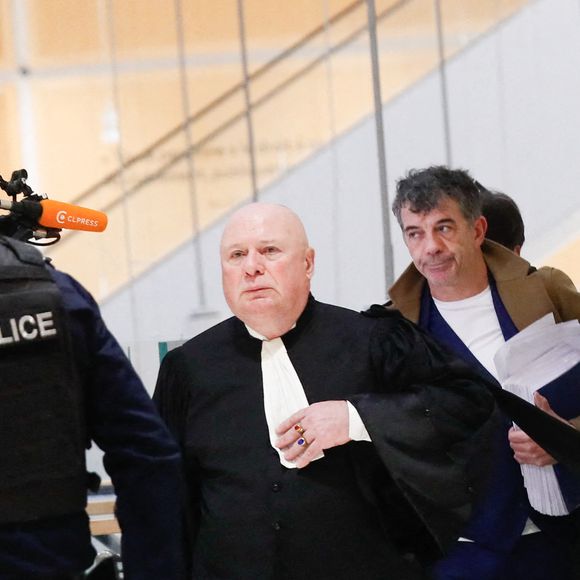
[[57, 214]]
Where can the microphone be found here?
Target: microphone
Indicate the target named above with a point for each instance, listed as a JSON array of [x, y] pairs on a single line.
[[58, 215]]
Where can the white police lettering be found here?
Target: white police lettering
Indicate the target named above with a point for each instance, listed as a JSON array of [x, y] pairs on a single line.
[[27, 327]]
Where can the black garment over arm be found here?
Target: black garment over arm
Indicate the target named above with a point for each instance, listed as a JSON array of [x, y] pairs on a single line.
[[431, 425]]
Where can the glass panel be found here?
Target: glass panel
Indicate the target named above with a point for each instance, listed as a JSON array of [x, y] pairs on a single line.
[[347, 69], [10, 135], [464, 21], [64, 32], [6, 55], [144, 29], [74, 146], [222, 173], [407, 43], [271, 27], [211, 29], [319, 89]]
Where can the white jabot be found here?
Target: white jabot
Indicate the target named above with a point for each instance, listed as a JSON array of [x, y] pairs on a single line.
[[284, 393]]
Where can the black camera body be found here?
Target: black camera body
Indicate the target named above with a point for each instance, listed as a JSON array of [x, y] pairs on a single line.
[[21, 225]]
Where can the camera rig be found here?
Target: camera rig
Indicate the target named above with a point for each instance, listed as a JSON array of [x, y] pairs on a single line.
[[20, 225]]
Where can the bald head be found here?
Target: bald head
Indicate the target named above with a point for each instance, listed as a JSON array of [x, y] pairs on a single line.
[[266, 267], [255, 215]]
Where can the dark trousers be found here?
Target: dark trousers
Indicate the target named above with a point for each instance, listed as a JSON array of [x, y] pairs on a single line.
[[535, 557], [58, 577]]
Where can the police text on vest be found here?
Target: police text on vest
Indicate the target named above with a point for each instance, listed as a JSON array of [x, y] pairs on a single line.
[[27, 327]]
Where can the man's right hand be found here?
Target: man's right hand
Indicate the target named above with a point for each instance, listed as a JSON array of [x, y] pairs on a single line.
[[526, 450]]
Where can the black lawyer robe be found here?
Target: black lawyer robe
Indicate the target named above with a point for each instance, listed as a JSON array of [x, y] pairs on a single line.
[[367, 509]]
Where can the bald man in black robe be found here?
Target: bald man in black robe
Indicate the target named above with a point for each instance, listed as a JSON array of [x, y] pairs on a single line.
[[371, 476]]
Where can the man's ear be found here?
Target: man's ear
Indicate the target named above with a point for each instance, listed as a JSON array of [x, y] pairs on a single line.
[[309, 259], [480, 227]]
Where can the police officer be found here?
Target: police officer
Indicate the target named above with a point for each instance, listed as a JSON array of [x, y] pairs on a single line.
[[64, 380]]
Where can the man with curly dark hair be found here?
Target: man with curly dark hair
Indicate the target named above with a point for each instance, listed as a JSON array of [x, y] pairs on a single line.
[[472, 295]]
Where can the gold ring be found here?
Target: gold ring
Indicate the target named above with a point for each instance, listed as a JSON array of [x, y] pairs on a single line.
[[299, 428], [302, 441]]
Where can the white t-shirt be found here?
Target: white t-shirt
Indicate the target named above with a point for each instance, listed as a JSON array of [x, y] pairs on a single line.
[[475, 322]]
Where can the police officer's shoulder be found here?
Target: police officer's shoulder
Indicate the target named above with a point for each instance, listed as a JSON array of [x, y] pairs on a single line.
[[13, 252], [75, 295]]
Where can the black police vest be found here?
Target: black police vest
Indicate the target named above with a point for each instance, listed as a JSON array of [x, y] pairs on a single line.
[[42, 459]]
